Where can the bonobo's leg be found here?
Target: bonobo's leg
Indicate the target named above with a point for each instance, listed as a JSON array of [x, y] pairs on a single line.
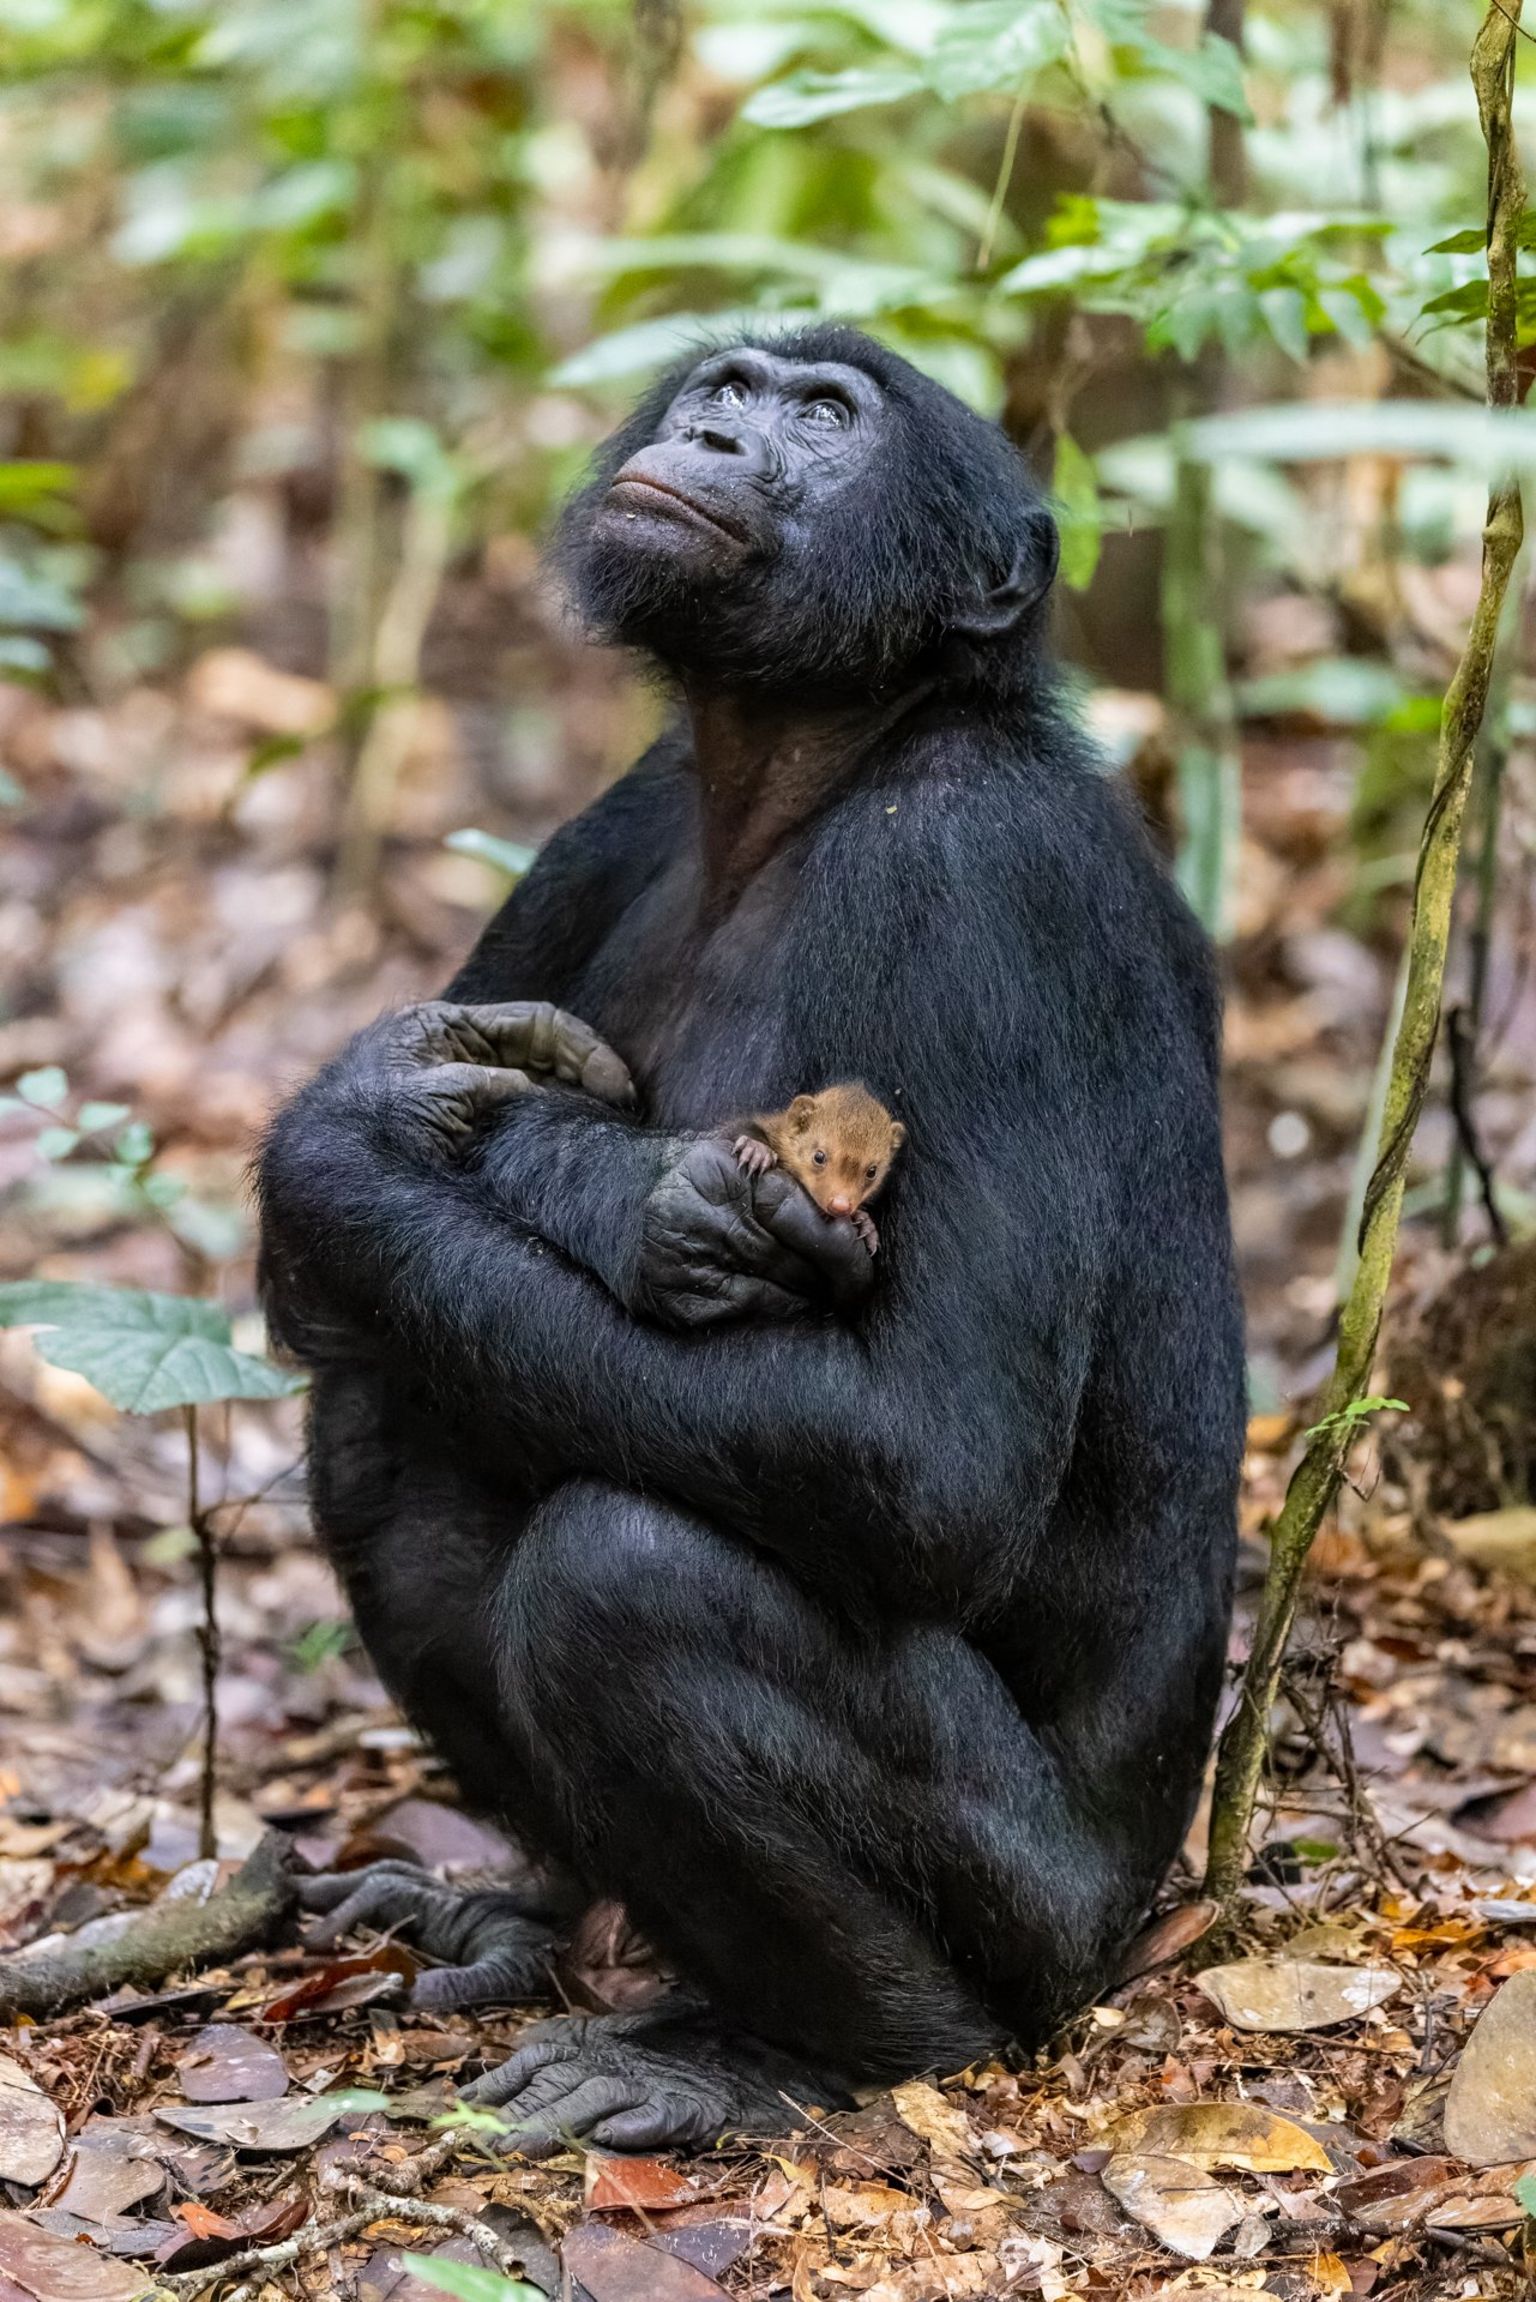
[[797, 1812], [415, 1541]]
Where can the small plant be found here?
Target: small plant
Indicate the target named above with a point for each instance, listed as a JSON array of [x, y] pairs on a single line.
[[469, 2283], [1351, 1419]]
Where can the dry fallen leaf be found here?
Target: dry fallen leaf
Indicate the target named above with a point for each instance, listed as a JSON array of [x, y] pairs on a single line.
[[1211, 2134], [941, 2124], [1490, 2110], [227, 2064], [650, 2184], [292, 2124], [31, 2127], [112, 2168], [1185, 2209], [61, 2269], [1296, 1993], [613, 2268]]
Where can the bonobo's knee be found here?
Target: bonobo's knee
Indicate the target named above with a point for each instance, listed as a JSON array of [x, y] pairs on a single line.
[[597, 1576]]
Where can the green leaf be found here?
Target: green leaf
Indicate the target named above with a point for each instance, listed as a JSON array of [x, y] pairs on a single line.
[[1213, 71], [29, 486], [44, 1088], [34, 602], [1525, 2194], [1079, 513], [806, 97], [468, 2283], [56, 1142], [508, 855], [996, 44], [94, 1116], [135, 1144], [144, 1352], [1471, 242]]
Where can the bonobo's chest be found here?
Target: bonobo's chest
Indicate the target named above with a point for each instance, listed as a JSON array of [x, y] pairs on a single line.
[[706, 1004]]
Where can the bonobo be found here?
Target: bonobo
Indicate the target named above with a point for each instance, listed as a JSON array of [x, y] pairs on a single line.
[[857, 1625]]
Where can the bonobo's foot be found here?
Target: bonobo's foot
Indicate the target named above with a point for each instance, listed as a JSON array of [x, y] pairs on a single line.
[[753, 1155], [668, 2079], [491, 1949], [864, 1223]]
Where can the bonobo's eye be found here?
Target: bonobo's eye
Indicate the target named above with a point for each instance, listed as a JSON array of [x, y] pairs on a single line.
[[833, 413], [871, 1172], [818, 1158], [728, 394]]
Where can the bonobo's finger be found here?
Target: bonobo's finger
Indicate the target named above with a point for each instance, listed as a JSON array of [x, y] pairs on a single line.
[[830, 1244], [650, 2125], [504, 1976], [381, 1903], [533, 1035], [560, 2104], [449, 1100], [326, 1888], [510, 2077]]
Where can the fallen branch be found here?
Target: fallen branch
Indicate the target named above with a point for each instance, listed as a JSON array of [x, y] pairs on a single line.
[[1240, 1760], [170, 1937], [378, 2194]]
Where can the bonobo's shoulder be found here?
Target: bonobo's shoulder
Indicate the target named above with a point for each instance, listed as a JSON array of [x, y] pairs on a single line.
[[1011, 791]]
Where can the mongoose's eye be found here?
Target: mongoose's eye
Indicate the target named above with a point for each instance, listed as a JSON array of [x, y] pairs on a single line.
[[819, 1158]]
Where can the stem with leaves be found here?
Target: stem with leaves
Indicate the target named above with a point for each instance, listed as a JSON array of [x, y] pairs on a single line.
[[201, 1523], [1240, 1761]]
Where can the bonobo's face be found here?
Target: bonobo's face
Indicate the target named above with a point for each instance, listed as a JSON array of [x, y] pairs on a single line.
[[812, 518], [747, 460]]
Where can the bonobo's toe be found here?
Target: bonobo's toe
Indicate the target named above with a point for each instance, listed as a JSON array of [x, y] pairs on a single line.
[[653, 2081], [491, 1950]]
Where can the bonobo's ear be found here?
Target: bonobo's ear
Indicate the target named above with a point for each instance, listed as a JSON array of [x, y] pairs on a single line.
[[898, 1135], [1031, 576], [801, 1112]]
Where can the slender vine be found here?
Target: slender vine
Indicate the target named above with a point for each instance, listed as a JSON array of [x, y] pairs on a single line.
[[1240, 1760]]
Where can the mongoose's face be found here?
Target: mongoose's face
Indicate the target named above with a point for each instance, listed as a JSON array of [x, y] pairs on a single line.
[[839, 1146]]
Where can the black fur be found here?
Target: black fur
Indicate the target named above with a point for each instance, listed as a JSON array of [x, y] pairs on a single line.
[[871, 1664]]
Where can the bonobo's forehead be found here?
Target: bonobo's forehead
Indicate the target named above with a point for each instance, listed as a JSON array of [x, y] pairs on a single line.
[[773, 372]]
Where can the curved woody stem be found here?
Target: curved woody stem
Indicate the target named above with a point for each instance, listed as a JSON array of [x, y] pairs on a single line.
[[1240, 1760]]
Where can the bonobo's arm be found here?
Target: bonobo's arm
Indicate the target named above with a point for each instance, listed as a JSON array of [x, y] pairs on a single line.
[[834, 1447]]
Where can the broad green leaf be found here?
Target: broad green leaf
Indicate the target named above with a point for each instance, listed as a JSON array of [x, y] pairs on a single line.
[[636, 351], [44, 1088], [1525, 2195], [35, 602], [1080, 517], [467, 2282], [806, 97], [97, 1115], [1483, 439], [55, 1142], [144, 1352], [508, 855], [1213, 71], [995, 44]]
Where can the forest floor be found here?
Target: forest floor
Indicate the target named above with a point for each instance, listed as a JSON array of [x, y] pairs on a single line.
[[1276, 2125]]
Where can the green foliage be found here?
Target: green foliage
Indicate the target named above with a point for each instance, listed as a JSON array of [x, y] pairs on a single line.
[[144, 1352], [1079, 512], [1353, 1418]]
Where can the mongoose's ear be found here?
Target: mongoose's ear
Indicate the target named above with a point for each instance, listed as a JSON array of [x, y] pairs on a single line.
[[801, 1112], [898, 1134]]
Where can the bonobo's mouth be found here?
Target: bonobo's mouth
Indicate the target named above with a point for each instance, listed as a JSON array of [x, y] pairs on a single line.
[[636, 483]]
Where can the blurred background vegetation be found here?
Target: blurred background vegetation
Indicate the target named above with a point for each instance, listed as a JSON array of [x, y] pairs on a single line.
[[311, 309]]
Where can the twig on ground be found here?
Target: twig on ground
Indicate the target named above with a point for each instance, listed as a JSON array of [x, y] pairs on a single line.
[[166, 1939], [377, 2193]]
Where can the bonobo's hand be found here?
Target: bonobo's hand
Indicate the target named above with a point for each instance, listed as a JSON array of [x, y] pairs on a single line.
[[446, 1066], [718, 1243]]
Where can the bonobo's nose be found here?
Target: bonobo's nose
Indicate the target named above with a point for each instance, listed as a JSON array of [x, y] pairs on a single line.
[[840, 1205], [742, 443]]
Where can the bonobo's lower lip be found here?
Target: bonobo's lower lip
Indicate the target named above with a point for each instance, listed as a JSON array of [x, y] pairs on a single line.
[[627, 484]]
